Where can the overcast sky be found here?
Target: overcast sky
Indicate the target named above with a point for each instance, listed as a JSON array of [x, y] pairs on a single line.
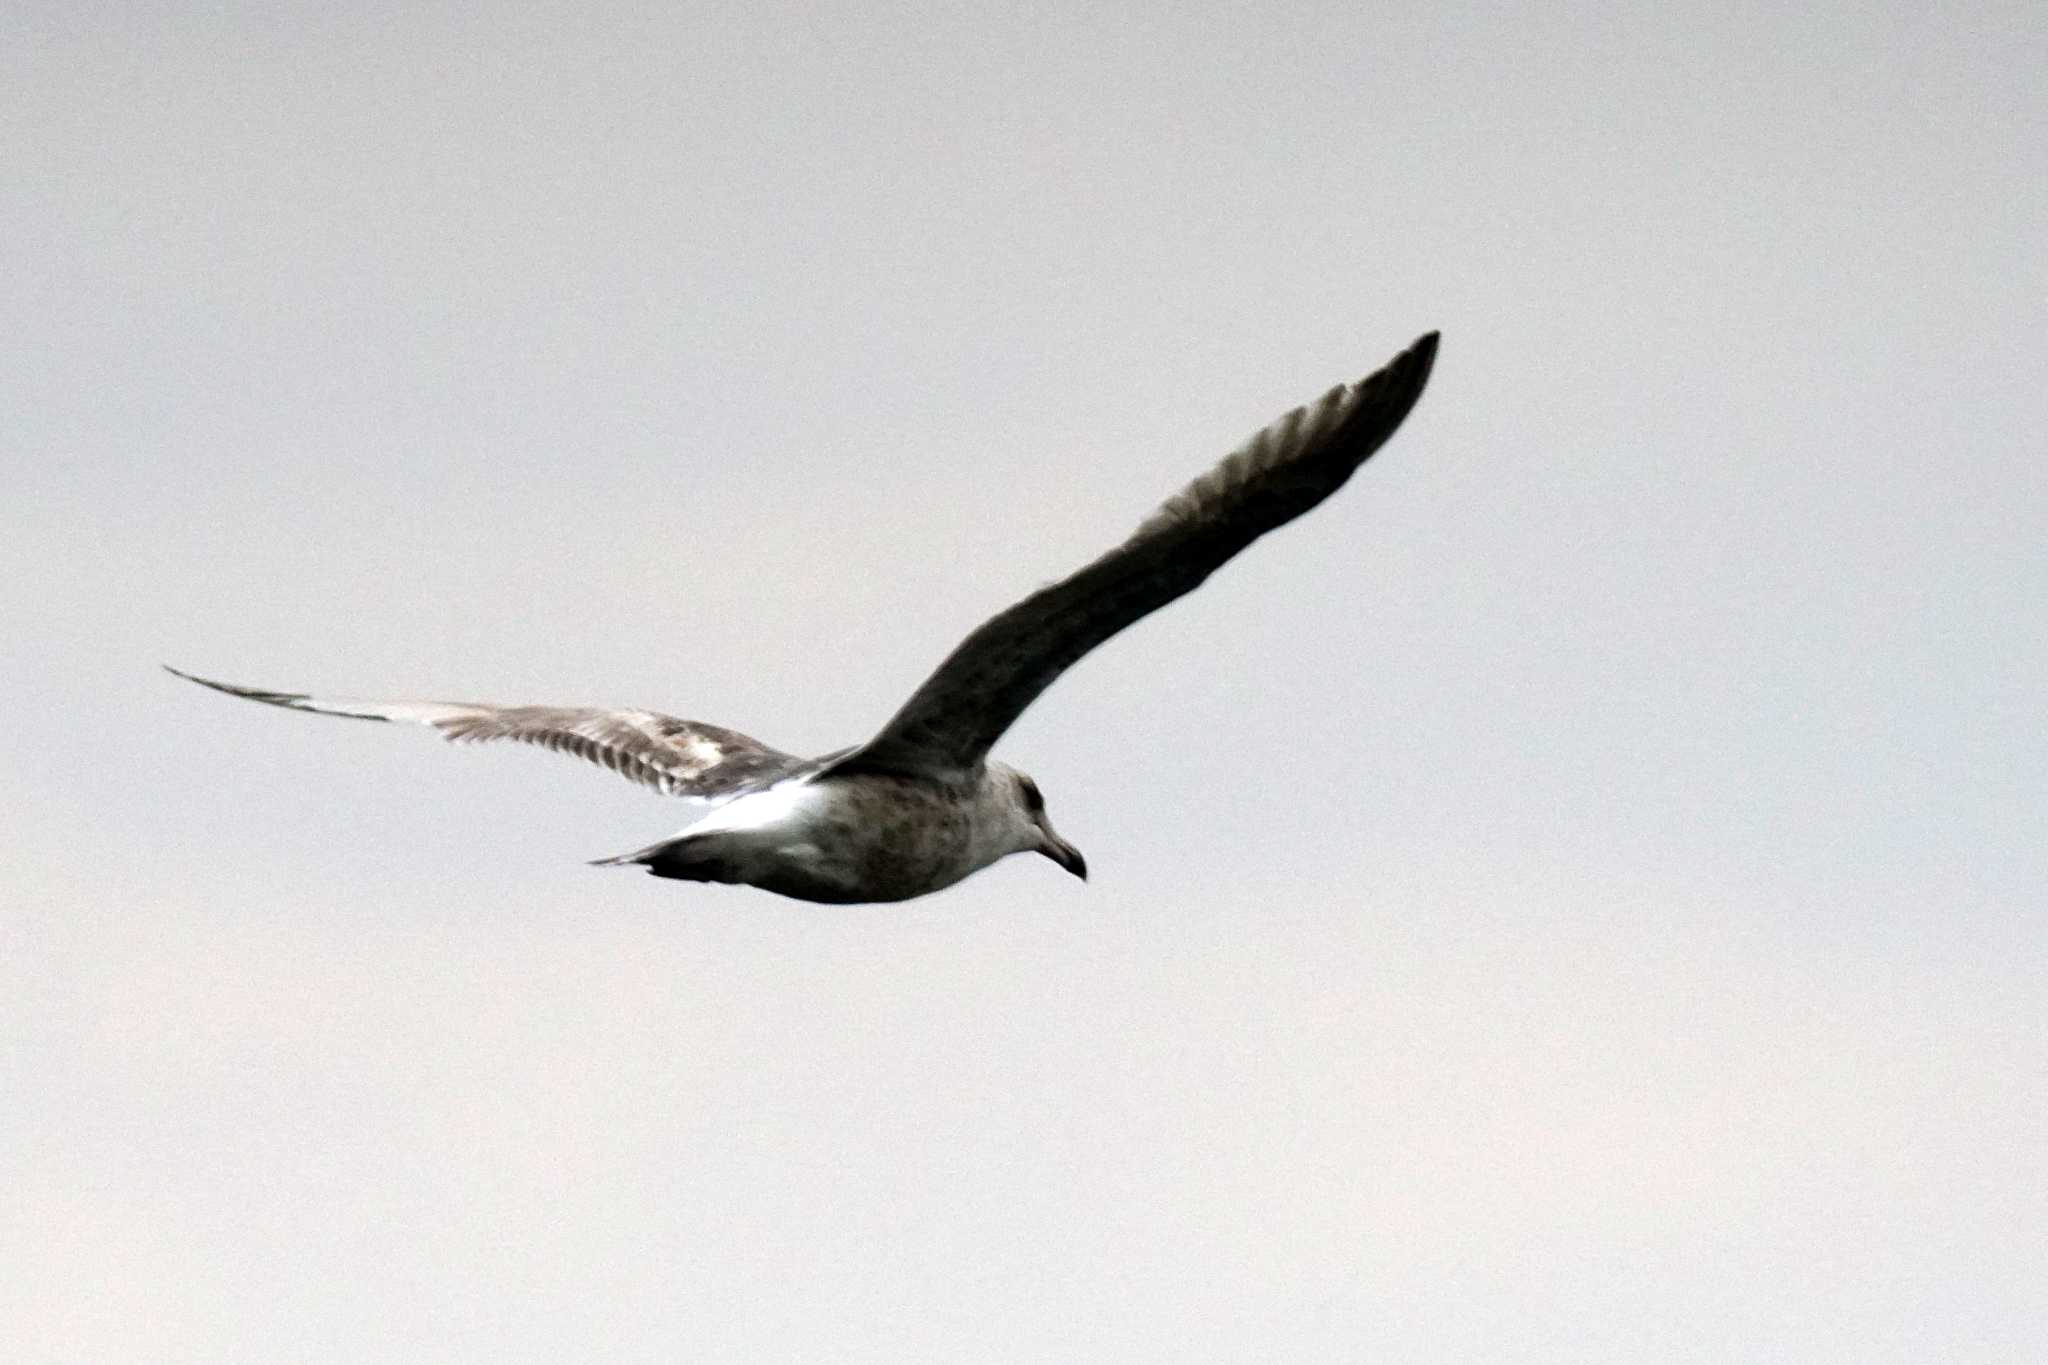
[[1575, 897]]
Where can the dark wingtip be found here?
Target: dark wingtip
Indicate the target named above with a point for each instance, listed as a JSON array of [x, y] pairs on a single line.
[[289, 700], [1423, 351], [195, 678], [1386, 395], [1401, 380]]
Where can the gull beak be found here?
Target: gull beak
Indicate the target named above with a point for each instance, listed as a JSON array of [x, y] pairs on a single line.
[[1063, 853]]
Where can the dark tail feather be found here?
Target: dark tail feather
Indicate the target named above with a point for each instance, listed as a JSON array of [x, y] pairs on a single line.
[[675, 859]]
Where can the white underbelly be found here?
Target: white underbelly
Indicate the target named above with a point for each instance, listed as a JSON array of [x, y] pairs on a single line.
[[831, 841], [791, 810]]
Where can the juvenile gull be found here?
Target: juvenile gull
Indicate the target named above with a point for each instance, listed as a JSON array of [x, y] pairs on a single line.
[[921, 805]]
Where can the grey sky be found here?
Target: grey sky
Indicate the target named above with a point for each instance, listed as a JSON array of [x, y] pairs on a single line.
[[1575, 897]]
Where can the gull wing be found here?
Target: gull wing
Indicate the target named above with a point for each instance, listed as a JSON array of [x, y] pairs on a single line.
[[675, 757], [950, 722]]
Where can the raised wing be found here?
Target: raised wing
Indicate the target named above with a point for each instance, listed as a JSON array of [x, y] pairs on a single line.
[[675, 757], [986, 682]]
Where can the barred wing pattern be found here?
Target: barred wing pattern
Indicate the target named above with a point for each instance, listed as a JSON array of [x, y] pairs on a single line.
[[951, 721], [675, 757]]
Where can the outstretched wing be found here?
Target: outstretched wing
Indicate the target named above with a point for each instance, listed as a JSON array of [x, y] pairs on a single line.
[[675, 757], [984, 685]]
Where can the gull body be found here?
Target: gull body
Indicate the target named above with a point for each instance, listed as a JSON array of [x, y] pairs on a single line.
[[862, 837], [921, 805]]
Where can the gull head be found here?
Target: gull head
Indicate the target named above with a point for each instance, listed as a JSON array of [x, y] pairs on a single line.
[[1034, 833]]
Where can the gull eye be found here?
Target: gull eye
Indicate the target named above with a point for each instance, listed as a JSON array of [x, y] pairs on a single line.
[[1033, 801]]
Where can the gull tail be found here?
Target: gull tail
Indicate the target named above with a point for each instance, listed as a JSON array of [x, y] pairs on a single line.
[[680, 858], [639, 855]]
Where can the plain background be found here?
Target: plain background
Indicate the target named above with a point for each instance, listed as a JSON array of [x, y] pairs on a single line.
[[1575, 897]]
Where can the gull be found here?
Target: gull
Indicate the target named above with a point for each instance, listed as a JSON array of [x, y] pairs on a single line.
[[921, 805]]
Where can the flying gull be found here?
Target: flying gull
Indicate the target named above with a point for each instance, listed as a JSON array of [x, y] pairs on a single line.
[[921, 805]]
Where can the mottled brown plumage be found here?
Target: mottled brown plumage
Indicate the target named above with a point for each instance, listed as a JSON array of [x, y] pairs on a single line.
[[675, 757], [920, 805]]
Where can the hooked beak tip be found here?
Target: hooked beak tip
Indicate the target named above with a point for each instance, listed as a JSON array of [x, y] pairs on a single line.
[[1067, 856]]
